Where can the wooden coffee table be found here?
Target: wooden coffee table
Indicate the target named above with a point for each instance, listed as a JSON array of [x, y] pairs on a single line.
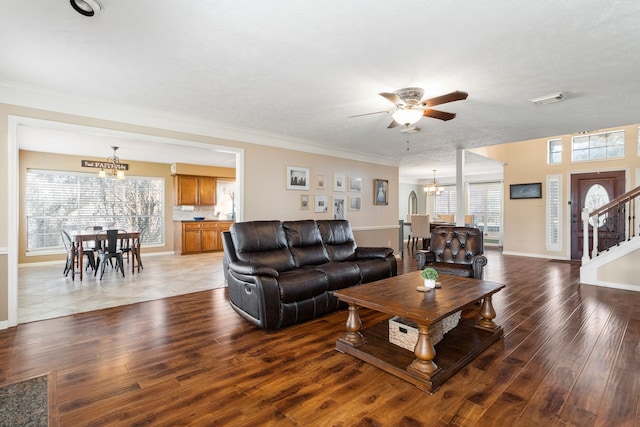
[[428, 367]]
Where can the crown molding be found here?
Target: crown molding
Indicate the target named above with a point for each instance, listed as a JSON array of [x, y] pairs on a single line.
[[47, 99]]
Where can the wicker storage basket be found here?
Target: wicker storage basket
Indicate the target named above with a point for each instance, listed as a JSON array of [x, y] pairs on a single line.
[[404, 333]]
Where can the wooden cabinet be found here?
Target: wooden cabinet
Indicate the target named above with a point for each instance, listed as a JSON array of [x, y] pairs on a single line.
[[194, 190], [194, 237]]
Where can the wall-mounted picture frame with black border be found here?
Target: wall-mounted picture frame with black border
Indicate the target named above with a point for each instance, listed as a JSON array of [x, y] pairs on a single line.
[[297, 178], [525, 191], [380, 191]]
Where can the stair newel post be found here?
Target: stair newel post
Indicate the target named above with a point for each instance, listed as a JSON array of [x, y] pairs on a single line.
[[585, 233]]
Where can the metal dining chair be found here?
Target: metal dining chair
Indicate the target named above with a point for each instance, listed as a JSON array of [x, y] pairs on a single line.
[[108, 252], [72, 257]]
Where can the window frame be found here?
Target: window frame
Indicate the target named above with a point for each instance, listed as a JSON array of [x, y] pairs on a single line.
[[592, 146], [112, 201]]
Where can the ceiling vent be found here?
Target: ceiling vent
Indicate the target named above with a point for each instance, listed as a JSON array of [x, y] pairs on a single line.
[[548, 99]]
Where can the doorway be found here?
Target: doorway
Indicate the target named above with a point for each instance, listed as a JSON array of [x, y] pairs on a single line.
[[592, 190], [161, 144]]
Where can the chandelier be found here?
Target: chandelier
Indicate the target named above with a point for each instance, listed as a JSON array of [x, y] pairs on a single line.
[[113, 163], [433, 189]]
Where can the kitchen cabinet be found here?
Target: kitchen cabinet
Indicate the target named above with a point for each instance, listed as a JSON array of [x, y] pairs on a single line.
[[194, 190], [194, 237]]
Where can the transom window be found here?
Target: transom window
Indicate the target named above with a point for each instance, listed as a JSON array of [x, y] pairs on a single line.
[[598, 146], [58, 200], [554, 151]]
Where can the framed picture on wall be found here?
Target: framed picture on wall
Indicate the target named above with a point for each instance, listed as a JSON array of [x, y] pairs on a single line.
[[339, 207], [354, 203], [297, 178], [338, 182], [321, 182], [304, 202], [380, 191], [321, 204], [355, 184]]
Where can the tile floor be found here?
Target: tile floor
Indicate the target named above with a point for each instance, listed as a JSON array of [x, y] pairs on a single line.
[[44, 292]]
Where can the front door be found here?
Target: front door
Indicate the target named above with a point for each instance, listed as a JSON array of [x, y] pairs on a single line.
[[591, 190]]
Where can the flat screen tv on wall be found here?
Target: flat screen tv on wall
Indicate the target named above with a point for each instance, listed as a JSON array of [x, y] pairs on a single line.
[[525, 191]]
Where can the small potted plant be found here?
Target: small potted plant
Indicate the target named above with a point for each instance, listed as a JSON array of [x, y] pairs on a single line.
[[429, 275]]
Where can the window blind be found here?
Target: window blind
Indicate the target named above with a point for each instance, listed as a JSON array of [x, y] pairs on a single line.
[[553, 213], [485, 203], [58, 200]]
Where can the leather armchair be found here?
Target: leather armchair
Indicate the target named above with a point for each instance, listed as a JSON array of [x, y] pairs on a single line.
[[456, 251]]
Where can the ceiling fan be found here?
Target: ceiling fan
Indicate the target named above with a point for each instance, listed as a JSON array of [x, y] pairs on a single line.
[[411, 108]]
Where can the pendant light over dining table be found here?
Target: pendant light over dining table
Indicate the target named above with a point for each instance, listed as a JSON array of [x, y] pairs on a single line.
[[113, 163], [433, 189]]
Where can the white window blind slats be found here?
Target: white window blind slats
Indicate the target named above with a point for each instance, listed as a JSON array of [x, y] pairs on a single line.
[[554, 212], [72, 200], [485, 204]]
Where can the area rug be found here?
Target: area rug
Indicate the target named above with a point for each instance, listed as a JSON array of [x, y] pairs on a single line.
[[25, 403]]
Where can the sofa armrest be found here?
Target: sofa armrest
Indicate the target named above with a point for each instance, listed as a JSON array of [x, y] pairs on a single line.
[[478, 263], [424, 257], [252, 269], [365, 253]]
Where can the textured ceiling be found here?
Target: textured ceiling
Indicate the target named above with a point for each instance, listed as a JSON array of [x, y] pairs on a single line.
[[300, 68]]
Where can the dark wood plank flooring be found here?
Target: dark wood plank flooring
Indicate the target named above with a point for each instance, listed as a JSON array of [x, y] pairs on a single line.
[[569, 357]]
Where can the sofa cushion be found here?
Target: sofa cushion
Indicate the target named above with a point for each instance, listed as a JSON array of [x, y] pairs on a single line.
[[305, 242], [374, 269], [338, 239], [340, 274], [301, 284], [262, 242]]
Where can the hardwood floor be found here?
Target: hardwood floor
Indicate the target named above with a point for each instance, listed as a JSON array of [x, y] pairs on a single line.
[[569, 357]]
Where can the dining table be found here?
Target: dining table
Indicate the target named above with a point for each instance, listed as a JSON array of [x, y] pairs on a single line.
[[78, 237]]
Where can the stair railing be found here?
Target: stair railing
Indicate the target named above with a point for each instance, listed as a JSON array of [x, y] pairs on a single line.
[[617, 219]]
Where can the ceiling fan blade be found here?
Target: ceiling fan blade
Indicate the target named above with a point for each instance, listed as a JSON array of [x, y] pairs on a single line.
[[443, 99], [368, 114], [442, 115], [393, 124], [391, 97]]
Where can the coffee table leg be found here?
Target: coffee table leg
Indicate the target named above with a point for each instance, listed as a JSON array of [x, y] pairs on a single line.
[[487, 314], [425, 353], [353, 337]]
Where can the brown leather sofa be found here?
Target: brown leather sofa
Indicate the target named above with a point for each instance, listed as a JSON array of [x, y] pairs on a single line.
[[284, 272], [456, 251]]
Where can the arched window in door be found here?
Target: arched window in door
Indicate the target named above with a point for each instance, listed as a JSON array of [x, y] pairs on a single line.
[[412, 208]]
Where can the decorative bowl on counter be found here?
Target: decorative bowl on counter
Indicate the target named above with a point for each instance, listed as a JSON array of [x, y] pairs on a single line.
[[198, 218]]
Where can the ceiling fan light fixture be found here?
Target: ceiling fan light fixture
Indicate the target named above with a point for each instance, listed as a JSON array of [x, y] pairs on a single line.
[[86, 7], [407, 116]]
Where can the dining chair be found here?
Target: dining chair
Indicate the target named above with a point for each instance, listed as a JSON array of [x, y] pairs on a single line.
[[127, 247], [447, 218], [108, 252], [420, 229], [409, 242], [72, 257], [96, 243], [469, 220]]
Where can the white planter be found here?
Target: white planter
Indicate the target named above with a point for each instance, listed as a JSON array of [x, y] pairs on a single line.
[[429, 283]]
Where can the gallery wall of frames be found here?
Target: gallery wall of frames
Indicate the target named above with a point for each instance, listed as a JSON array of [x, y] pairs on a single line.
[[336, 194]]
